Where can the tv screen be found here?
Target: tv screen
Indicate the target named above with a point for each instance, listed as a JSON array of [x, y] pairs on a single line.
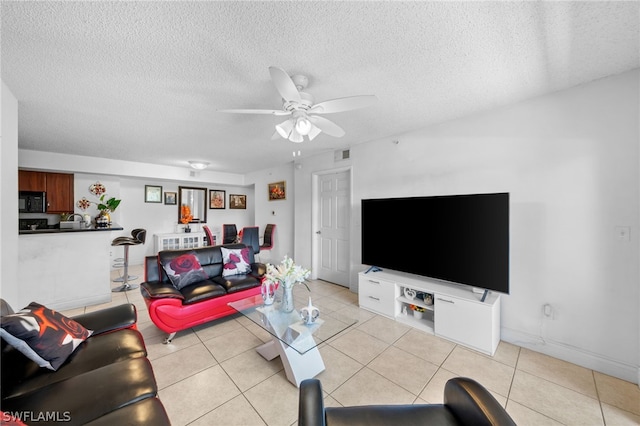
[[463, 239]]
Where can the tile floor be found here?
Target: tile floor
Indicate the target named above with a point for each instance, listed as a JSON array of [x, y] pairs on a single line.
[[211, 375]]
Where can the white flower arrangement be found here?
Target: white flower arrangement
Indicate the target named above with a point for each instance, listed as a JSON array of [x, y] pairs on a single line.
[[287, 273]]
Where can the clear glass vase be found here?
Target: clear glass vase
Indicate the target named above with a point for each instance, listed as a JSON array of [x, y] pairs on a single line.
[[268, 291], [287, 297]]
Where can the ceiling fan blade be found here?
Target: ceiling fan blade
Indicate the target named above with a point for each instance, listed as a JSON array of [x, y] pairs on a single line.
[[343, 104], [329, 127], [257, 111], [284, 84]]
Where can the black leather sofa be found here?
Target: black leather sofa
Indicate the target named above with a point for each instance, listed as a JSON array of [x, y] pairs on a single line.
[[202, 301], [466, 402], [107, 380]]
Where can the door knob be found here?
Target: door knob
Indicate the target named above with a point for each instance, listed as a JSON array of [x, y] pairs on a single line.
[[318, 232]]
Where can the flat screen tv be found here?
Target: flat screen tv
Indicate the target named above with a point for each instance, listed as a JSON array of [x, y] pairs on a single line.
[[462, 239]]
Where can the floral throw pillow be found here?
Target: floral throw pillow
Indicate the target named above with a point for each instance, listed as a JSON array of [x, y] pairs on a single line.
[[184, 270], [235, 261], [43, 335]]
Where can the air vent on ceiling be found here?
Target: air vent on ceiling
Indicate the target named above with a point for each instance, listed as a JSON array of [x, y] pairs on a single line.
[[342, 154]]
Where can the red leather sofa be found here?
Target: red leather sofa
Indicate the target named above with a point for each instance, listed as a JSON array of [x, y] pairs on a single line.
[[173, 310]]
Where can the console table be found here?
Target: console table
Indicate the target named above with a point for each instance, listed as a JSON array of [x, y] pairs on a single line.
[[456, 313], [181, 240]]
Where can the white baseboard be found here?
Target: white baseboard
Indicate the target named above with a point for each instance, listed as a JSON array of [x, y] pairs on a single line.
[[612, 367], [79, 303]]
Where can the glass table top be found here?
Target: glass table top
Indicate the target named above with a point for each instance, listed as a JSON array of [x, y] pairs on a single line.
[[289, 328]]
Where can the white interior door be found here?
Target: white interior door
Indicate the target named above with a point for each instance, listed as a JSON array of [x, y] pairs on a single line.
[[334, 200]]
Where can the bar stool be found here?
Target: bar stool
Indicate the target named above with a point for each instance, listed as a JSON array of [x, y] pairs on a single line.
[[119, 263], [138, 236]]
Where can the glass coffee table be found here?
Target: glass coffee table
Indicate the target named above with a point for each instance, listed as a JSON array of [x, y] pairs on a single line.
[[294, 341]]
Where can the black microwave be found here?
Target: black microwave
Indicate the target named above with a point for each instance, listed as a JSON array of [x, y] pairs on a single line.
[[32, 202]]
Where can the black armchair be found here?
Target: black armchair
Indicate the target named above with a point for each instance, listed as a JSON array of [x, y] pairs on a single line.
[[466, 402]]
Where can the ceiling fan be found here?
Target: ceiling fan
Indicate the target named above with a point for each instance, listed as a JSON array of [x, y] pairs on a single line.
[[305, 116]]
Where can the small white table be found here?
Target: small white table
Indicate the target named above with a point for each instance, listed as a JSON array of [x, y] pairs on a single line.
[[295, 342]]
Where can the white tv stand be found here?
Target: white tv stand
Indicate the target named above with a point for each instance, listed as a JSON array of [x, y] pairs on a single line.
[[457, 314]]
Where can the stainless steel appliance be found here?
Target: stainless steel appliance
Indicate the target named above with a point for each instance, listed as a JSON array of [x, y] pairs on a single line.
[[33, 224], [32, 202]]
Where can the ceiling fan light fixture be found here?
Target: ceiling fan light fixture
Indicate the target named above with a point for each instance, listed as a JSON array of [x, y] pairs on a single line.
[[198, 165], [305, 115], [288, 130], [303, 125], [296, 137], [285, 128], [313, 132]]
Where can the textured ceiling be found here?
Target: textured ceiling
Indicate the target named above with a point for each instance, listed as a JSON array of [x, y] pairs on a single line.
[[144, 81]]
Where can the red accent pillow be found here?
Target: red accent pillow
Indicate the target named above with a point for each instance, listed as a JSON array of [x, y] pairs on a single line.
[[184, 270], [235, 261], [43, 335]]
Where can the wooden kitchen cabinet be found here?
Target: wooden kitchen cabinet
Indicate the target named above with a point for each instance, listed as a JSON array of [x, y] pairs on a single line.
[[59, 193], [32, 181], [58, 186]]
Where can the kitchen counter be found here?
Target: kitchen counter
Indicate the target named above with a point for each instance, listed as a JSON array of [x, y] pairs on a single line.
[[67, 269], [113, 227]]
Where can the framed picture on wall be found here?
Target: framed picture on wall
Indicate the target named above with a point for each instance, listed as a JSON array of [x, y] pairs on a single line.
[[237, 201], [170, 198], [152, 194], [216, 199], [278, 191]]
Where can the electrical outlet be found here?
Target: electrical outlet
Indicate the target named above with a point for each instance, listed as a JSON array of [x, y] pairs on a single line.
[[623, 233]]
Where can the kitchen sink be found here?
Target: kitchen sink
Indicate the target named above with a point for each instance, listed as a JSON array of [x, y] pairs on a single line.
[[67, 224]]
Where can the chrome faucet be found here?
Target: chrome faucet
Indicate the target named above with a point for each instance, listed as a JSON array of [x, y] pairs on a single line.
[[77, 214]]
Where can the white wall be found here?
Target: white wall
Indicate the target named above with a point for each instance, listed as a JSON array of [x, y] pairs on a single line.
[[158, 218], [305, 236], [8, 195], [570, 162], [278, 212], [50, 161]]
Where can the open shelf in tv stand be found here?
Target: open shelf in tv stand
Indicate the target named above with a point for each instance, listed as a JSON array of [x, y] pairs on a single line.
[[457, 313], [410, 317]]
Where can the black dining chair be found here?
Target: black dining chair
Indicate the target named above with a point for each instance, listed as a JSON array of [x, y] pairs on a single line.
[[267, 239], [251, 238], [211, 239], [229, 233]]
